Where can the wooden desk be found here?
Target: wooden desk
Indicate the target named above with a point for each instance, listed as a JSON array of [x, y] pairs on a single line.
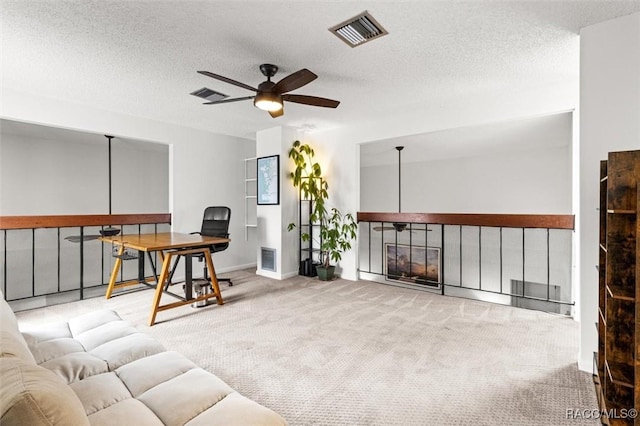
[[167, 245]]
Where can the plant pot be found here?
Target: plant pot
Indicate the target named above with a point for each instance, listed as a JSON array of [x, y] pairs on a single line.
[[325, 274]]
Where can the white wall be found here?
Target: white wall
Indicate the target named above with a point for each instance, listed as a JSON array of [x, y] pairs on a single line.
[[609, 121], [58, 175], [551, 168], [535, 181], [340, 162], [207, 168]]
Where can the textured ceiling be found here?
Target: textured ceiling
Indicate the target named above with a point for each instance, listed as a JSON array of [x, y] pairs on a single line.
[[140, 57]]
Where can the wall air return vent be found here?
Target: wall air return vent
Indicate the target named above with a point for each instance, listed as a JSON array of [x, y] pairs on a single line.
[[268, 259], [209, 95], [359, 29]]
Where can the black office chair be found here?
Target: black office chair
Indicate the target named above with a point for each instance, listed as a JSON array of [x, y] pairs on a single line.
[[215, 223]]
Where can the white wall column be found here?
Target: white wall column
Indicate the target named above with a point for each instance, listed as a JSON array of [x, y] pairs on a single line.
[[609, 121], [273, 220]]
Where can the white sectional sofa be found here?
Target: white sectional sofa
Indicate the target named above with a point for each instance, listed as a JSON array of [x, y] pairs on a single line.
[[97, 369]]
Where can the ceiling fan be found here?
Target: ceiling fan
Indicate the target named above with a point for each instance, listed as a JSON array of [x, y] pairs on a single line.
[[399, 226], [270, 96]]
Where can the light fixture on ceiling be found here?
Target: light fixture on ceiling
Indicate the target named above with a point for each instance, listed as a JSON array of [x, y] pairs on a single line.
[[268, 101]]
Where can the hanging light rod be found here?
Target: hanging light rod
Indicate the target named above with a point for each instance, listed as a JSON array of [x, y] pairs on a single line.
[[109, 230], [399, 148], [109, 137]]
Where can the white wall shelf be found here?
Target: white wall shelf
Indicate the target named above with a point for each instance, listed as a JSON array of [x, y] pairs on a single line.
[[250, 195]]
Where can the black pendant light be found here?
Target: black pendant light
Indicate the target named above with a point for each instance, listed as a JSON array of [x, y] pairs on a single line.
[[397, 225], [109, 230]]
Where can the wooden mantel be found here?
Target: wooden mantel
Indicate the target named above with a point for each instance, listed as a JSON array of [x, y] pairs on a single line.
[[551, 221]]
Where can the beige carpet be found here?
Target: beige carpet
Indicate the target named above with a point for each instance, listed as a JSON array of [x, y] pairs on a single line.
[[360, 353]]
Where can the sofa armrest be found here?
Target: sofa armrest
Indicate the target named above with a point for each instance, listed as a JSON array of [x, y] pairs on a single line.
[[33, 395]]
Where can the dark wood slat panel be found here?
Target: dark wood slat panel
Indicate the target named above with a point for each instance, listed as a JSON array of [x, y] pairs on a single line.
[[621, 255], [620, 332], [622, 180], [554, 221], [65, 221], [619, 293]]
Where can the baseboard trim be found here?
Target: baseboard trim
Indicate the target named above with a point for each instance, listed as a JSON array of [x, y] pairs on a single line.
[[275, 276], [236, 268]]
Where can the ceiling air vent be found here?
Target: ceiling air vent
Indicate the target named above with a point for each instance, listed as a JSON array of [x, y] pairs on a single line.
[[209, 95], [359, 29]]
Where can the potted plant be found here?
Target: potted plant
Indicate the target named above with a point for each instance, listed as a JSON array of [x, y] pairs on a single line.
[[336, 230]]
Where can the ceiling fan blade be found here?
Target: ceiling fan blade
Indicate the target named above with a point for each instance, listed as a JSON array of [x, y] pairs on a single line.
[[276, 114], [225, 101], [311, 100], [227, 80], [294, 81], [383, 228]]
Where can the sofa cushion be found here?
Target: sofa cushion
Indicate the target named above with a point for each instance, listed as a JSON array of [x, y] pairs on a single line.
[[32, 395], [185, 396], [76, 366], [126, 412], [12, 343], [102, 334], [141, 375], [52, 349], [126, 349], [92, 320], [237, 410], [101, 340], [99, 392]]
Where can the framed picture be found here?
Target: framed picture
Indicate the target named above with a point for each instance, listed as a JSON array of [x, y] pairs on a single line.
[[413, 264], [268, 175]]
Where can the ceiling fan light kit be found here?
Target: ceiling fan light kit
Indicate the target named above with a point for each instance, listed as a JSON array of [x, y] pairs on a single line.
[[270, 96], [268, 101]]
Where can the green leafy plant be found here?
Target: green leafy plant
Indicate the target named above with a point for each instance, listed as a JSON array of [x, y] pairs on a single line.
[[336, 233], [336, 230], [307, 176]]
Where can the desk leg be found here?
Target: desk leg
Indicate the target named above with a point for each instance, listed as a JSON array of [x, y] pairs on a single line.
[[164, 274], [114, 273], [140, 266], [188, 277], [213, 277]]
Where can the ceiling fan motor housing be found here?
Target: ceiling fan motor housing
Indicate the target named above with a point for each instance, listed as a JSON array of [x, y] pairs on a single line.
[[268, 70]]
